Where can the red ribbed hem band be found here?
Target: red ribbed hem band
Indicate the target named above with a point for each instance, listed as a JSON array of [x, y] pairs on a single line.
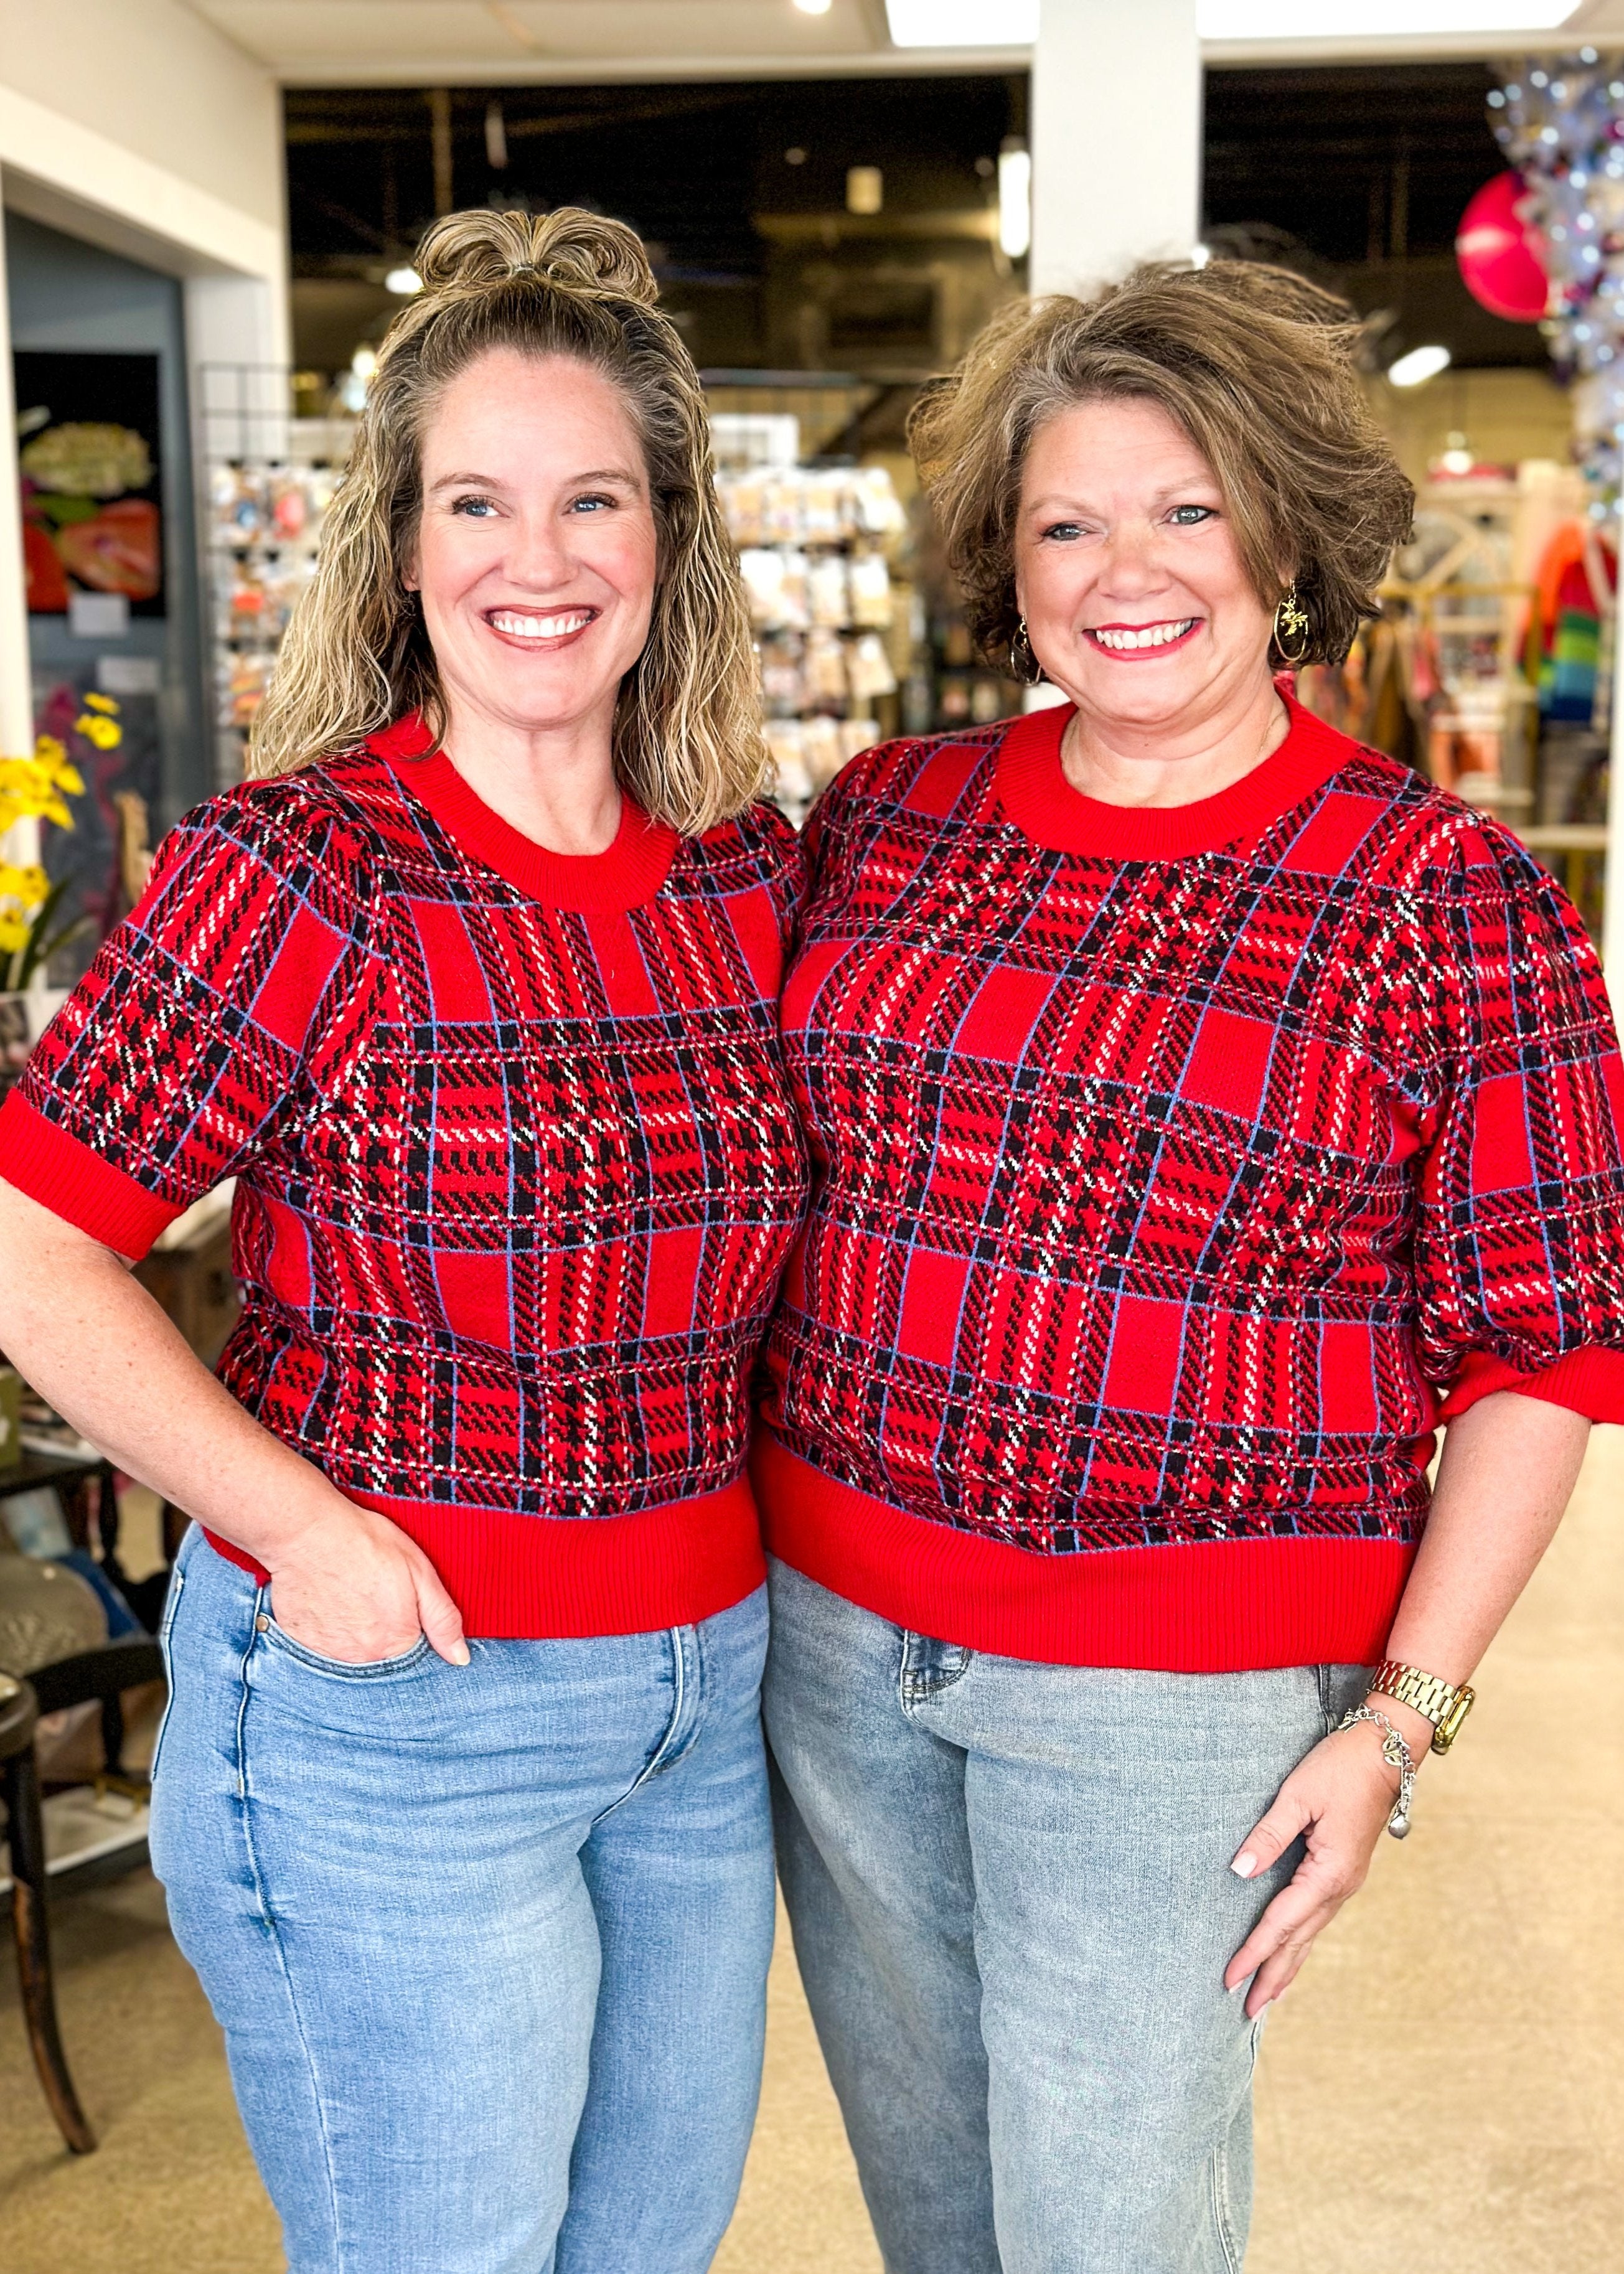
[[1588, 1382], [1232, 1607], [75, 1182], [535, 1579]]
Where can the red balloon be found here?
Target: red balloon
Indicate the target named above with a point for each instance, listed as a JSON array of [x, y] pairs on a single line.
[[1500, 254]]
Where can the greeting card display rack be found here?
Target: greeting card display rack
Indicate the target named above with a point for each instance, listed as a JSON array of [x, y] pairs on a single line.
[[268, 480]]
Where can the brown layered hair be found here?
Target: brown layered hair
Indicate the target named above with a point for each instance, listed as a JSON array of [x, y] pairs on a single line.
[[1257, 367], [687, 738]]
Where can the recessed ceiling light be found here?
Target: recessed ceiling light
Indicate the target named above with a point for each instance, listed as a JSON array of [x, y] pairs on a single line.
[[962, 23], [813, 7], [1419, 365], [403, 280]]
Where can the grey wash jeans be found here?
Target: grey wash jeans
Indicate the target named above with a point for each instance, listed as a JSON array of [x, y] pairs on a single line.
[[1012, 1908]]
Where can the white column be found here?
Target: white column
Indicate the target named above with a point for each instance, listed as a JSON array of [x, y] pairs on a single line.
[[1116, 139], [15, 694]]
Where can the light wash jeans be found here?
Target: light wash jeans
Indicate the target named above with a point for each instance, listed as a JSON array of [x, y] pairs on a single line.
[[1010, 1891], [488, 1944]]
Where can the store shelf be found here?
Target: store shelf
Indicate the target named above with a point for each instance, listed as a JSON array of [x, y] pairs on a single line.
[[1565, 837], [83, 1827]]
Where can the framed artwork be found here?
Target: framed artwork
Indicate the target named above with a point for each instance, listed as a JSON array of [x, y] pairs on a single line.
[[92, 473]]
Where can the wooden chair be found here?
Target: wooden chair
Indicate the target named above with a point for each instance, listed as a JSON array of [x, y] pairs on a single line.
[[101, 1675], [19, 1784]]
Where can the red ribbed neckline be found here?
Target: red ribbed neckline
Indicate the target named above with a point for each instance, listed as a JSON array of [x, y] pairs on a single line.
[[622, 876], [1035, 794]]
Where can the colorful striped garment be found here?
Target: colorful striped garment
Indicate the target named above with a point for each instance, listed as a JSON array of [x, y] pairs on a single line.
[[1174, 1170], [517, 1167]]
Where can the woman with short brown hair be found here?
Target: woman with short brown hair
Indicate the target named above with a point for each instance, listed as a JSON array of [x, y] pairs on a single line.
[[1202, 1108]]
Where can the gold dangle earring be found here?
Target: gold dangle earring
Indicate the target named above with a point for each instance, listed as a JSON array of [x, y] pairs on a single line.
[[1023, 664], [1291, 628]]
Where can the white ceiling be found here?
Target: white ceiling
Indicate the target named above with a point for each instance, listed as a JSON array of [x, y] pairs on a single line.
[[411, 42]]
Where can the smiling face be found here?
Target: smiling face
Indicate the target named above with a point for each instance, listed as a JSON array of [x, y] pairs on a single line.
[[1137, 601], [536, 553]]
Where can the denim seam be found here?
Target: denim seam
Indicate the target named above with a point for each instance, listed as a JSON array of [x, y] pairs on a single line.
[[1223, 2202], [268, 1921], [166, 1630], [692, 1702], [656, 1759]]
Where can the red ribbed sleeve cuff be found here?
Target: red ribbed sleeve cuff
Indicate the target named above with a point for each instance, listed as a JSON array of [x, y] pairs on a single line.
[[77, 1183], [1588, 1382]]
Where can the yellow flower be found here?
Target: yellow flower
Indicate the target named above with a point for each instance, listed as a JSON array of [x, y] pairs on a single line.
[[47, 751], [106, 734], [101, 703], [29, 885], [13, 931]]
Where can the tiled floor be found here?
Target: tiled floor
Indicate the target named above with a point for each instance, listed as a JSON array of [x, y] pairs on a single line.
[[1444, 2089]]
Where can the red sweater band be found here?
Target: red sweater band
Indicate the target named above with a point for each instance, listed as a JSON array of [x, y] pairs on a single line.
[[524, 1576], [1211, 1607]]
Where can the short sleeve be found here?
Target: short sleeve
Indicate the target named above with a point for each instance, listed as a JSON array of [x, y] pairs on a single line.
[[1520, 1241], [239, 978]]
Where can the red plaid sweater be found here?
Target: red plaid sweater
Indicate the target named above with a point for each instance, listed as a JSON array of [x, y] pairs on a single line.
[[516, 1163], [1174, 1170]]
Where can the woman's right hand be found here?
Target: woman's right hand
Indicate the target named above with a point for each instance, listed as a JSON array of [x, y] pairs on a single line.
[[349, 1584]]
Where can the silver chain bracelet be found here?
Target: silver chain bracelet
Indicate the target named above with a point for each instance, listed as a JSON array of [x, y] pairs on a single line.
[[1396, 1754]]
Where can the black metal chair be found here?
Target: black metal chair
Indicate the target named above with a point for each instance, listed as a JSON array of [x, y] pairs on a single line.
[[102, 1674]]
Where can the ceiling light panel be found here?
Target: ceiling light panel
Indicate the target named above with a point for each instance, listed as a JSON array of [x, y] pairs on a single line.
[[1342, 20], [374, 41], [963, 23]]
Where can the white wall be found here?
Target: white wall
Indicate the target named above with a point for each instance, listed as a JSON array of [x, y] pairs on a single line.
[[1116, 139], [137, 126], [155, 79]]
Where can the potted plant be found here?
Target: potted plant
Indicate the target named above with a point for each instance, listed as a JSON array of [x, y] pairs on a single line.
[[36, 790]]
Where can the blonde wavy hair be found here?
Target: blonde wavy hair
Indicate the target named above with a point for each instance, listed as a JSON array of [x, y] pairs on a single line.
[[1256, 364], [688, 737]]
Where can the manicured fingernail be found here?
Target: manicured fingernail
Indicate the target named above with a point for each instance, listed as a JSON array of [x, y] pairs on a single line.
[[1244, 1864], [1236, 1987], [459, 1655]]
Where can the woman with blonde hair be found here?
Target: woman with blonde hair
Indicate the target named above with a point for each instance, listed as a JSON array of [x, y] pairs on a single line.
[[1202, 1108], [460, 1801]]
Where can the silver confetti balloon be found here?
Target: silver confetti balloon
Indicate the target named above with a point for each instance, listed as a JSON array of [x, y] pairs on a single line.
[[1560, 120]]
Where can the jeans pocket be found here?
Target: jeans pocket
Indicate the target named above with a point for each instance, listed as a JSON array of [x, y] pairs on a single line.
[[1340, 1687], [343, 1669]]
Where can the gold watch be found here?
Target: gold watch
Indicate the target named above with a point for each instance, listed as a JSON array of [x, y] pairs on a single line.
[[1445, 1704]]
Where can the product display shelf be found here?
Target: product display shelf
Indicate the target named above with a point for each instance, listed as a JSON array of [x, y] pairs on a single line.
[[269, 479], [817, 545]]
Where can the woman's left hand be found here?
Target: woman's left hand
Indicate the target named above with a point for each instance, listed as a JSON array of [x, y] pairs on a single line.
[[1339, 1797]]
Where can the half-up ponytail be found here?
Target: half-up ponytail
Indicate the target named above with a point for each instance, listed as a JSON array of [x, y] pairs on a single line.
[[579, 252], [687, 736]]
